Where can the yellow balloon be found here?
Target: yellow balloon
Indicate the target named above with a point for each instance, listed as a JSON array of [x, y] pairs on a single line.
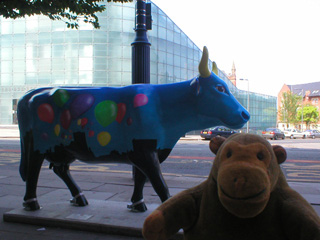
[[57, 129], [104, 138]]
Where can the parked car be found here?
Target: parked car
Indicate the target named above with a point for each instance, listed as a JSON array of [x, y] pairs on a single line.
[[217, 131], [312, 133], [294, 133], [273, 133]]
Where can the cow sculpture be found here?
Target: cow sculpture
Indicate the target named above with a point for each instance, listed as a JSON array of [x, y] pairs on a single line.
[[137, 124]]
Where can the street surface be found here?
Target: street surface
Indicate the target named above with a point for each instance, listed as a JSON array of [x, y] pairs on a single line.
[[190, 159], [193, 158]]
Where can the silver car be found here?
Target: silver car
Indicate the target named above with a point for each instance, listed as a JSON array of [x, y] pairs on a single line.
[[312, 134], [294, 133]]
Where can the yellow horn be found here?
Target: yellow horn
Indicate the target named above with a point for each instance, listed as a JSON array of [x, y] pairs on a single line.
[[203, 65], [215, 68]]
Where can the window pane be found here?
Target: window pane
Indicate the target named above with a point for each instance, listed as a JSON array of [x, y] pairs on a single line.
[[31, 78], [6, 53], [85, 64], [58, 64], [57, 51], [6, 27], [18, 26], [6, 66], [6, 79], [114, 78], [85, 36], [57, 37], [19, 66], [100, 64], [18, 78]]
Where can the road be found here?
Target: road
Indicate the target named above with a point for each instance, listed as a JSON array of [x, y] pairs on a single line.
[[193, 158]]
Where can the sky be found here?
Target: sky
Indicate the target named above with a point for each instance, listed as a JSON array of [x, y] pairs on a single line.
[[271, 43]]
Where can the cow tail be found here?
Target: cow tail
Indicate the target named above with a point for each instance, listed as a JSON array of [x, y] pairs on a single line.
[[26, 138], [25, 127]]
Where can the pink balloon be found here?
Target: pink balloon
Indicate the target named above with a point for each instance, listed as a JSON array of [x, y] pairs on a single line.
[[45, 113], [140, 100], [91, 133], [65, 119], [121, 112], [84, 122]]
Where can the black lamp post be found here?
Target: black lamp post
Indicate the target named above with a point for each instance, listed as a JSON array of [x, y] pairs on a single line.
[[141, 44]]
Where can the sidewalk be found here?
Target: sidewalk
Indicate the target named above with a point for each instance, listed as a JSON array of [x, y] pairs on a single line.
[[9, 131], [12, 131], [108, 194]]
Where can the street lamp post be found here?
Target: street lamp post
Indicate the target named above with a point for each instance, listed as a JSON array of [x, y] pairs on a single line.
[[248, 100], [141, 44], [301, 90]]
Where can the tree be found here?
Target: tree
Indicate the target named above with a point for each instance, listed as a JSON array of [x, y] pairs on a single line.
[[310, 114], [289, 106], [69, 11]]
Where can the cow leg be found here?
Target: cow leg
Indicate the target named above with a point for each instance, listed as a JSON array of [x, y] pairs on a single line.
[[62, 170], [32, 176], [150, 166], [153, 171], [138, 204]]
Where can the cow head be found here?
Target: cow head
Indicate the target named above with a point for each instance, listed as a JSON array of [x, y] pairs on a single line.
[[215, 103]]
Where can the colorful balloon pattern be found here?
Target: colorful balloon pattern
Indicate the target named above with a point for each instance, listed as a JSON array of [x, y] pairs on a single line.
[[80, 105], [121, 112], [140, 100], [60, 97], [65, 119], [105, 113], [57, 130], [45, 113], [104, 138]]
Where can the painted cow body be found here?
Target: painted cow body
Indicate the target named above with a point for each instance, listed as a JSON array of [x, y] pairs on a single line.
[[137, 124]]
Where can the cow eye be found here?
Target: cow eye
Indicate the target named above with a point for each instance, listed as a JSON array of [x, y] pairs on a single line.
[[221, 88]]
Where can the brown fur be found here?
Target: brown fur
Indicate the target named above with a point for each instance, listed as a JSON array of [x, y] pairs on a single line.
[[245, 197]]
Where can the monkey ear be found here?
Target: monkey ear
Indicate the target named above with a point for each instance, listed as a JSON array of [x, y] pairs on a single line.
[[215, 144], [280, 153]]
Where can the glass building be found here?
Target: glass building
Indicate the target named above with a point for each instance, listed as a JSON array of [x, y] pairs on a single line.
[[37, 52]]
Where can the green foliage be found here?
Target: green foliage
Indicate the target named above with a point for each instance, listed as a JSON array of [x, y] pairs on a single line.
[[288, 111], [70, 11], [310, 114]]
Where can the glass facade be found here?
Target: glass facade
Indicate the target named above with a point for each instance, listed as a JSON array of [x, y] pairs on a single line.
[[37, 52]]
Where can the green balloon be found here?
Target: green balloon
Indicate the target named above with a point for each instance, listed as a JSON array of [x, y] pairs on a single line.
[[60, 97], [106, 112]]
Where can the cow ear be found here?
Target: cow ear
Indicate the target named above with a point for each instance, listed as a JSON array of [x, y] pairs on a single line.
[[280, 153], [195, 86], [215, 144]]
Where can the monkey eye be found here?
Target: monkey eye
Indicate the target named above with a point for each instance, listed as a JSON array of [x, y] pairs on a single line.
[[229, 154], [260, 156]]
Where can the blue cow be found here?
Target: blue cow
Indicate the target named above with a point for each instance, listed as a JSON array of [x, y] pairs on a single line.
[[137, 124]]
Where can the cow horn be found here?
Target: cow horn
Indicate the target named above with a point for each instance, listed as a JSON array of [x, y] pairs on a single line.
[[203, 65], [215, 68]]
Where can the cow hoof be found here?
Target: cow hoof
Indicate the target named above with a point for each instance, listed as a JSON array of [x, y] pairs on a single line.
[[139, 206], [31, 205], [79, 200]]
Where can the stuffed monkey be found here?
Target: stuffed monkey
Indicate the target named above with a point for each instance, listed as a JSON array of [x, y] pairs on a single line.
[[245, 197]]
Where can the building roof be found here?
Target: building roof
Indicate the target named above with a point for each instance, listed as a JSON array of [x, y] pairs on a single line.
[[313, 87]]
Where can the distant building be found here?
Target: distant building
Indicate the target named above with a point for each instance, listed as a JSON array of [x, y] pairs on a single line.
[[232, 76], [38, 52], [311, 95]]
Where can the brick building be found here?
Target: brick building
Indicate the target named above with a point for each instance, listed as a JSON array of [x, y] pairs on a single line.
[[311, 95]]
